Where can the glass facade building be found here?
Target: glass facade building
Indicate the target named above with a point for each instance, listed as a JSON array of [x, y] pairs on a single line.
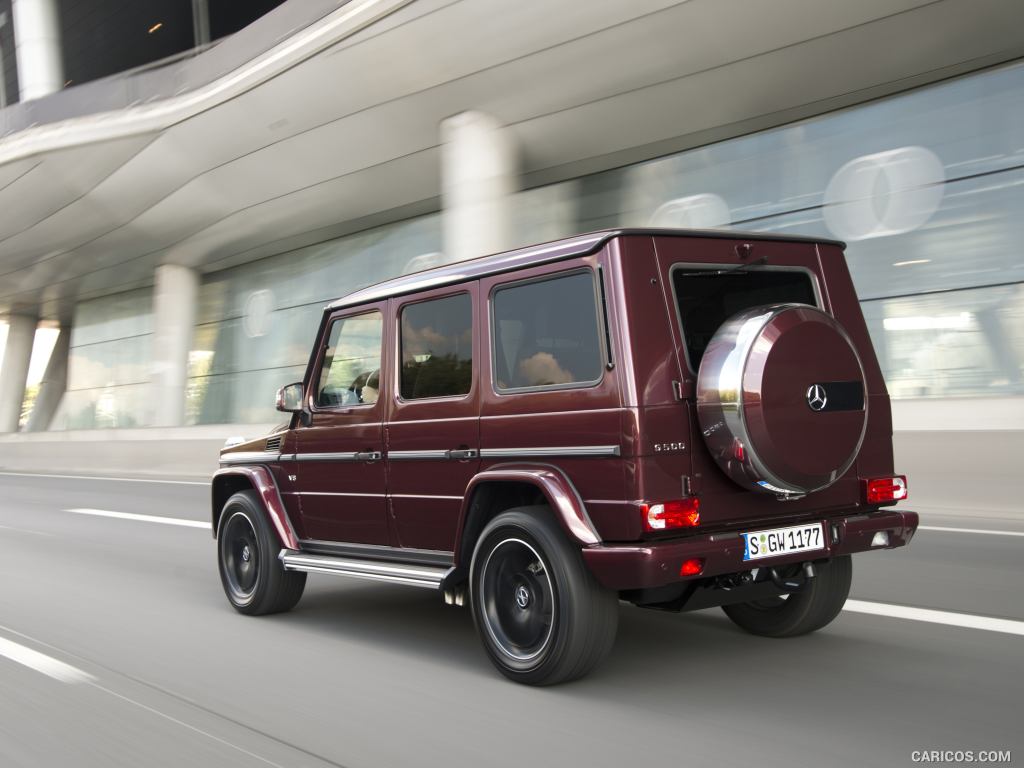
[[927, 188], [109, 363]]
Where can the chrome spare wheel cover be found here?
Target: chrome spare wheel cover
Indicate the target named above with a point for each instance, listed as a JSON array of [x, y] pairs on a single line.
[[781, 399]]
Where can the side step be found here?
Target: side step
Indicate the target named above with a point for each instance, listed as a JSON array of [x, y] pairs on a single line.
[[374, 570]]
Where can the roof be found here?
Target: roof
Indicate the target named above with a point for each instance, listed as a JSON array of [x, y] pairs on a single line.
[[580, 245]]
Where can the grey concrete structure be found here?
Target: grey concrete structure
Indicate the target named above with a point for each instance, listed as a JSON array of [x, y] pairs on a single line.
[[186, 176], [21, 332], [37, 45], [479, 172], [52, 385], [174, 313]]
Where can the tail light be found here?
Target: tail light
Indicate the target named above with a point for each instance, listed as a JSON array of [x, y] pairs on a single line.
[[683, 513], [692, 567], [879, 490]]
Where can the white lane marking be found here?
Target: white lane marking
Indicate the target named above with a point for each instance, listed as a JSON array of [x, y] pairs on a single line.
[[142, 518], [183, 724], [40, 662], [966, 620], [112, 479], [969, 530], [85, 677]]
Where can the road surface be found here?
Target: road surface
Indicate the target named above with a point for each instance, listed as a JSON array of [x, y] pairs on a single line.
[[118, 648]]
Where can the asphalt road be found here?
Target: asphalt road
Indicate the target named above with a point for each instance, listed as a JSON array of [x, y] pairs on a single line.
[[118, 648]]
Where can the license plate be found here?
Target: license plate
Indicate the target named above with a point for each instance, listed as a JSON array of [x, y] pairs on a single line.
[[783, 541]]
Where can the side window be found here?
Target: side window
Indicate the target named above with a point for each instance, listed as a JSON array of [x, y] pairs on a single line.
[[350, 371], [546, 333], [437, 348]]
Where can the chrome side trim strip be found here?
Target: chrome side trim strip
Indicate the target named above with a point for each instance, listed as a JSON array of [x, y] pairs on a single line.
[[425, 496], [249, 457], [575, 450], [346, 456], [417, 455], [335, 493], [372, 570]]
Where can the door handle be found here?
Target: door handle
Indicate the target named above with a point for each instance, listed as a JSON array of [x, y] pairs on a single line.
[[369, 456], [461, 454]]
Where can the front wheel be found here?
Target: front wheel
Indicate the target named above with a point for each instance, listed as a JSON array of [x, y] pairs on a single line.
[[253, 577], [810, 609], [541, 615]]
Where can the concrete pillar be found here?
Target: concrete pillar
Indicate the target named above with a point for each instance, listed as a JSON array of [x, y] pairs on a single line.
[[3, 71], [478, 178], [37, 47], [174, 317], [200, 22], [53, 384], [21, 334]]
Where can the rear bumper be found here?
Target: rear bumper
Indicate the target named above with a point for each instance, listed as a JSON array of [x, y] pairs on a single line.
[[648, 565]]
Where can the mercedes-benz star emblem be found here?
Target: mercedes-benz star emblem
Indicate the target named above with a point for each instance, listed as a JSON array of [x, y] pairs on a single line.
[[522, 596], [816, 397]]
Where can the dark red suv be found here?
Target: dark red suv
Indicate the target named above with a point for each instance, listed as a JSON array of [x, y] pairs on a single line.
[[676, 419]]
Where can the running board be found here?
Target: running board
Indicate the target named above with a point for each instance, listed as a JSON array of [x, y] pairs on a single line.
[[374, 570]]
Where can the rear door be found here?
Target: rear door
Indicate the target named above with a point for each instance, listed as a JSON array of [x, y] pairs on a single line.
[[433, 430], [340, 453], [551, 395], [706, 281]]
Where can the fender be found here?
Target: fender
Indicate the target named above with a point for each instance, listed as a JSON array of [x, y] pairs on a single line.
[[263, 482], [559, 491]]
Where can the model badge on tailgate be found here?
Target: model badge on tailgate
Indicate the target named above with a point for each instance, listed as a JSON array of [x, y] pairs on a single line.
[[669, 447]]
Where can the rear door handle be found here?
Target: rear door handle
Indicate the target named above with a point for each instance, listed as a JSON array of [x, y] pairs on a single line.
[[369, 456], [461, 454]]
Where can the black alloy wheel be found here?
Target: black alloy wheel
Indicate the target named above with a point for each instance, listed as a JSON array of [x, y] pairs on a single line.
[[518, 599], [240, 555], [542, 616], [253, 577]]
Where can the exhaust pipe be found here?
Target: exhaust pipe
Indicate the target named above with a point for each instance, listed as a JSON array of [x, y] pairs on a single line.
[[793, 583]]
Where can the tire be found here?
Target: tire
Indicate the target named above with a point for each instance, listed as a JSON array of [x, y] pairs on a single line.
[[542, 617], [810, 609], [254, 580]]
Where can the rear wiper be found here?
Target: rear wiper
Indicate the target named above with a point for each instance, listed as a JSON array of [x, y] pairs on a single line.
[[736, 270]]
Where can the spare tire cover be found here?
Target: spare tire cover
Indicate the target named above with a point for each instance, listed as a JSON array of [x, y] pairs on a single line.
[[781, 399]]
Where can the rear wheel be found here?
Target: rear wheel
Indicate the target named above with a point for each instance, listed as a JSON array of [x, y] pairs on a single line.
[[541, 615], [253, 577], [810, 609]]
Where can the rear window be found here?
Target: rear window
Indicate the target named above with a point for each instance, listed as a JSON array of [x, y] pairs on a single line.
[[547, 334], [437, 348], [708, 297]]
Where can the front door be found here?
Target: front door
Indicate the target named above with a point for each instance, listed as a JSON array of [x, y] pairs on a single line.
[[339, 454], [433, 431]]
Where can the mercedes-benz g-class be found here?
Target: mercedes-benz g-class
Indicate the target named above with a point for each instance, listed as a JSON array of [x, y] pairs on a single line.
[[680, 420]]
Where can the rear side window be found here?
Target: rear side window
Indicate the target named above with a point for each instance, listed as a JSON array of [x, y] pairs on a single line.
[[437, 348], [708, 297], [547, 334], [350, 371]]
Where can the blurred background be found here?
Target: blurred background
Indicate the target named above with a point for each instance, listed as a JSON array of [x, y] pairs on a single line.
[[184, 184]]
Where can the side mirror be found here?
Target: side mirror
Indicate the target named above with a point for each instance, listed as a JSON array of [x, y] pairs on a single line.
[[289, 398]]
